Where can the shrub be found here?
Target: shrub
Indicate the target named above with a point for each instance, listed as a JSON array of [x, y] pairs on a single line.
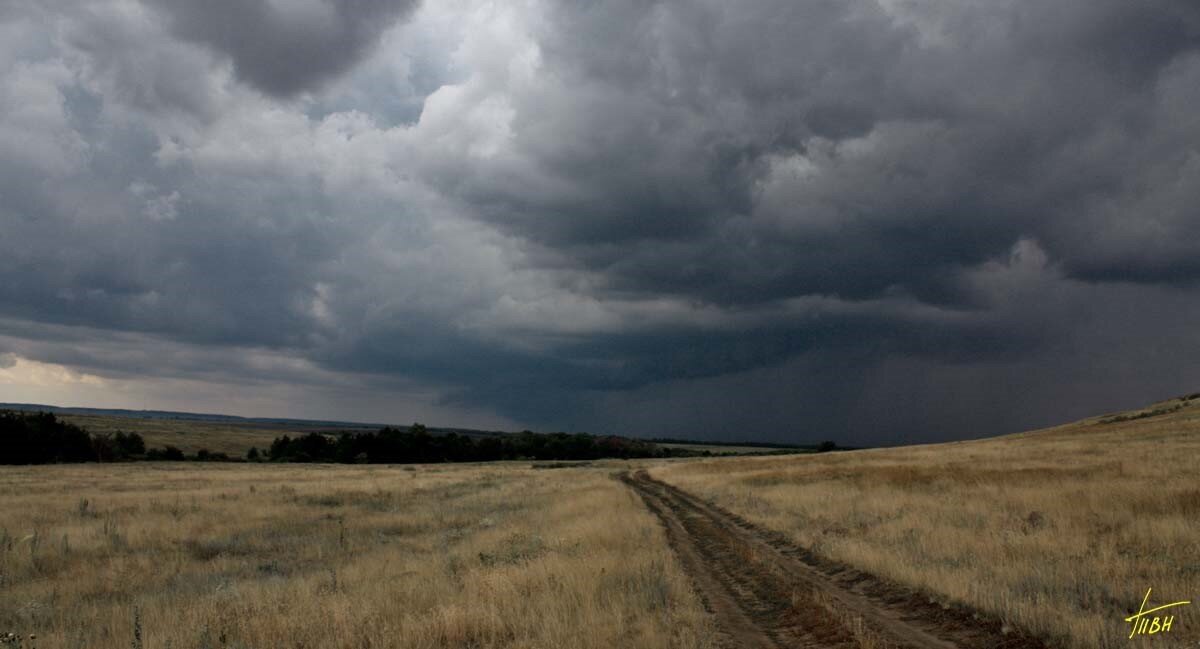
[[129, 445], [166, 453]]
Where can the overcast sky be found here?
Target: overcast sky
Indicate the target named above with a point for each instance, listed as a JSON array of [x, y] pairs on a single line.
[[876, 221]]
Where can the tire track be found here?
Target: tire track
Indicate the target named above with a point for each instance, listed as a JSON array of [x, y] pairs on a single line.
[[766, 593]]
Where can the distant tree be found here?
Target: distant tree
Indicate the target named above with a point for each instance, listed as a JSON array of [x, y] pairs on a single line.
[[313, 447], [103, 448], [279, 448], [128, 445], [166, 453], [826, 446], [489, 449], [252, 454]]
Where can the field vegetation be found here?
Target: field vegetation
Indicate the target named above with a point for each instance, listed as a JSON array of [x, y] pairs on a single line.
[[1060, 532], [189, 435], [183, 555]]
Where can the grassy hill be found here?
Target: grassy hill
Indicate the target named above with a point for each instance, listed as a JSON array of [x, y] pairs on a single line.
[[1060, 530]]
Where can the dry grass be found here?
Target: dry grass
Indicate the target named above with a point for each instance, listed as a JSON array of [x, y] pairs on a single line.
[[189, 435], [185, 555], [1059, 531]]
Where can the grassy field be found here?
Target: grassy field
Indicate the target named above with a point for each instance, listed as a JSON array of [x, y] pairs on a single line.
[[1060, 531], [187, 434], [219, 555]]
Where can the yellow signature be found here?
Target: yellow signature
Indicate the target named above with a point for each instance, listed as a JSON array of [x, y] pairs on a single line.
[[1143, 624]]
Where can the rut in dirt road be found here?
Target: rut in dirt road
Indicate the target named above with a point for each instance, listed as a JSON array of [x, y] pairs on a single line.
[[764, 592]]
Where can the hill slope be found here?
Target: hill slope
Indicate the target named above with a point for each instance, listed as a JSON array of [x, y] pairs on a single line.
[[1060, 531]]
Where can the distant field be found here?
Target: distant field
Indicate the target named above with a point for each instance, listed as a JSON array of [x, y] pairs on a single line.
[[222, 555], [1059, 531], [189, 435]]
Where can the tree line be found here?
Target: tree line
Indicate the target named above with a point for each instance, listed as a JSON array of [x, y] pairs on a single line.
[[417, 445], [43, 438]]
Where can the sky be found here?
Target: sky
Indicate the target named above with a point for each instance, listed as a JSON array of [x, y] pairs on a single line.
[[873, 221]]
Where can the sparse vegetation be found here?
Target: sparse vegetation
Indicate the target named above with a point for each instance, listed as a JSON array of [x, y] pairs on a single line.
[[1142, 414]]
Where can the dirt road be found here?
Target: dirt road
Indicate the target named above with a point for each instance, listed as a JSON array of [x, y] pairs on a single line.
[[765, 592]]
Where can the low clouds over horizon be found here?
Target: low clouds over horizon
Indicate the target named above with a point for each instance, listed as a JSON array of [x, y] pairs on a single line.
[[877, 221]]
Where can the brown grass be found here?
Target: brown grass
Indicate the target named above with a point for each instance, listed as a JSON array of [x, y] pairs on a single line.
[[181, 556], [1059, 531], [189, 435]]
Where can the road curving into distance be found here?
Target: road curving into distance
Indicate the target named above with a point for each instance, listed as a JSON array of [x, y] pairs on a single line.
[[766, 593]]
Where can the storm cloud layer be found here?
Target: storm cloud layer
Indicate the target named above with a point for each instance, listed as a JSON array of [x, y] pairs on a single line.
[[871, 220], [284, 48]]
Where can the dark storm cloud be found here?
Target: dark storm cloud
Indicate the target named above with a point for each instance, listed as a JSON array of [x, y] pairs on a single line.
[[1030, 120], [118, 253], [738, 157], [286, 47], [798, 219]]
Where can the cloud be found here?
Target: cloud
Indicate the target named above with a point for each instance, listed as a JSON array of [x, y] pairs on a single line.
[[286, 48], [26, 373], [829, 149], [837, 218]]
